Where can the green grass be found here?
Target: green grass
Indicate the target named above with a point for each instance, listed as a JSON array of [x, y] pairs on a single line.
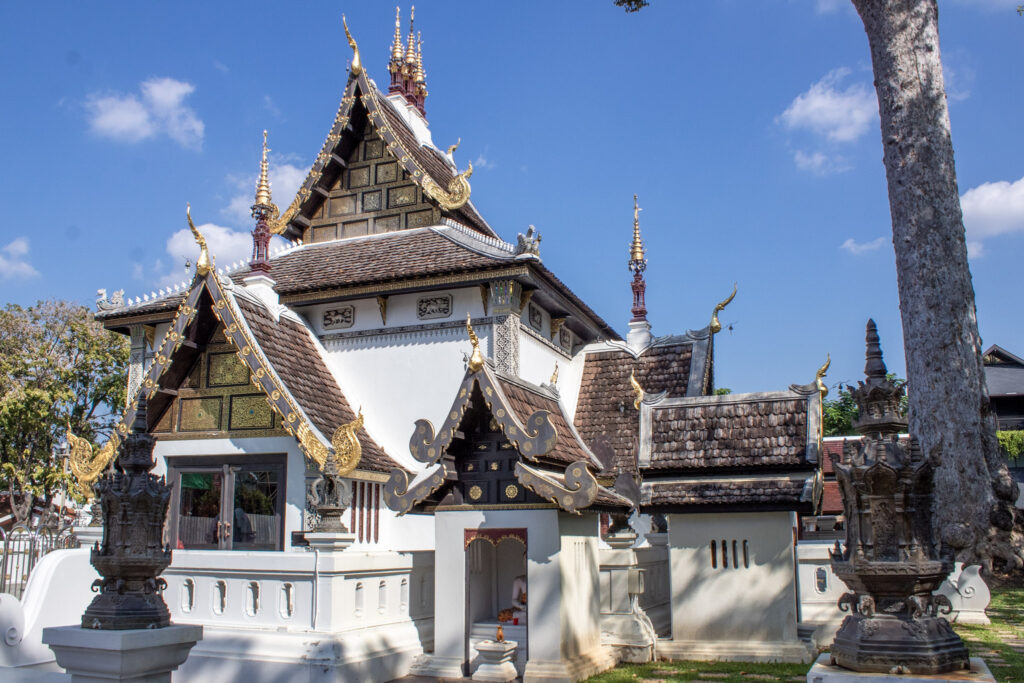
[[993, 643]]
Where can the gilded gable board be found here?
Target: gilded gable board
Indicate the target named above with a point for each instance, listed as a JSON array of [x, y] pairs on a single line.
[[218, 398], [372, 195]]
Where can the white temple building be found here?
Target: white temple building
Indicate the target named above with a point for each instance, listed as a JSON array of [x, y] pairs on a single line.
[[494, 431]]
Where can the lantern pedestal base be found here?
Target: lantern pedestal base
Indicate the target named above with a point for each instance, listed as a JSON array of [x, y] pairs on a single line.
[[888, 644], [137, 655], [825, 672]]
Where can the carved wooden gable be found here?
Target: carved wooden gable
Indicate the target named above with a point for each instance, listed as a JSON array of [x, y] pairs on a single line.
[[373, 194], [217, 398]]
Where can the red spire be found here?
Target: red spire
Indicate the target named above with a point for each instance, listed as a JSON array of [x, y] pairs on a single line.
[[262, 211], [637, 266]]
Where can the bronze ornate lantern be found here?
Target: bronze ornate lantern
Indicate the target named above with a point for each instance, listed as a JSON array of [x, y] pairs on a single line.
[[891, 560], [132, 554]]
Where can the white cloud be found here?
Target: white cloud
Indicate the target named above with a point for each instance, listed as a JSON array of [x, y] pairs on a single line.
[[285, 180], [483, 163], [220, 66], [14, 262], [820, 163], [160, 110], [855, 247], [992, 209], [826, 109], [271, 106], [829, 6]]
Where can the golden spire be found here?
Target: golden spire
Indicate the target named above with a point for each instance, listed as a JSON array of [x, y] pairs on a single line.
[[397, 49], [476, 361], [410, 50], [357, 63], [716, 326], [554, 375], [421, 76], [636, 250], [263, 185]]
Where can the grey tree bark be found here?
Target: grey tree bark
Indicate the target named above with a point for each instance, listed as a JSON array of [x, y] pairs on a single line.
[[949, 406]]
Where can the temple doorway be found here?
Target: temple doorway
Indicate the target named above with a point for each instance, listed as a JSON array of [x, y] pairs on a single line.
[[496, 590]]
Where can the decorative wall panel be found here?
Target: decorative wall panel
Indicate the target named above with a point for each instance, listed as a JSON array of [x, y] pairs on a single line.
[[226, 370], [200, 414], [438, 306], [250, 412], [339, 318]]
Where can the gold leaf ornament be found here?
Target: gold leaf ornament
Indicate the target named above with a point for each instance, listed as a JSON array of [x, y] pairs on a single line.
[[457, 194], [638, 390], [85, 466], [312, 445], [347, 449]]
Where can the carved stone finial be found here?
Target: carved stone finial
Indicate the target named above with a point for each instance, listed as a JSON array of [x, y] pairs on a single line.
[[874, 366], [528, 245]]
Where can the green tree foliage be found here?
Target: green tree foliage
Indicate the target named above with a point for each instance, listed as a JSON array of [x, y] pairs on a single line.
[[632, 5], [1011, 442], [722, 391], [837, 414], [58, 367]]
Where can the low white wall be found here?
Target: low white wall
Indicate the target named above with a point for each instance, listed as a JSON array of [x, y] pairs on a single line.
[[656, 600]]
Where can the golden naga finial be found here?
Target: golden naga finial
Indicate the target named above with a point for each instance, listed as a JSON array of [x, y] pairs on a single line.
[[822, 389], [636, 250], [554, 375], [716, 326], [452, 148], [457, 194], [476, 361], [357, 63], [637, 389], [347, 449], [205, 262], [263, 197], [85, 466], [397, 49]]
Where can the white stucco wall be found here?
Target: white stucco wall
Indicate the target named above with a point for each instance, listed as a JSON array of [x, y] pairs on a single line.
[[755, 603]]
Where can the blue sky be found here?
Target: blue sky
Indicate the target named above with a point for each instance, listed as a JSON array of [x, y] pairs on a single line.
[[749, 130]]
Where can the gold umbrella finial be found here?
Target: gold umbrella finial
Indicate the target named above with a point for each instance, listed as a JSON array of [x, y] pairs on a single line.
[[822, 389], [205, 262], [476, 360], [716, 326], [410, 50], [397, 48], [636, 250], [357, 63], [263, 197], [421, 75]]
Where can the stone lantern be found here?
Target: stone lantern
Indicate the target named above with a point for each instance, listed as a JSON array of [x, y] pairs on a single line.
[[132, 554], [891, 560]]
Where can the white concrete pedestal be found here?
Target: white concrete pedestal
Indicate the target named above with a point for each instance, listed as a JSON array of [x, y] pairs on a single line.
[[330, 541], [137, 655], [824, 672], [496, 661]]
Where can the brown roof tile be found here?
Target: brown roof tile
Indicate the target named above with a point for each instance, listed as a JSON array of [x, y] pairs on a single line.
[[605, 388], [524, 402], [832, 499], [749, 434], [291, 352], [768, 494]]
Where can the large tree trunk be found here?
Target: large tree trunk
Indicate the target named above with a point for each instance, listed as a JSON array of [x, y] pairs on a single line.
[[949, 407]]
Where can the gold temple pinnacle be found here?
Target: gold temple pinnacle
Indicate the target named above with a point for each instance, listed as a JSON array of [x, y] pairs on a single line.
[[397, 49], [410, 50], [421, 76], [636, 250], [263, 196], [205, 263], [820, 374], [716, 326]]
